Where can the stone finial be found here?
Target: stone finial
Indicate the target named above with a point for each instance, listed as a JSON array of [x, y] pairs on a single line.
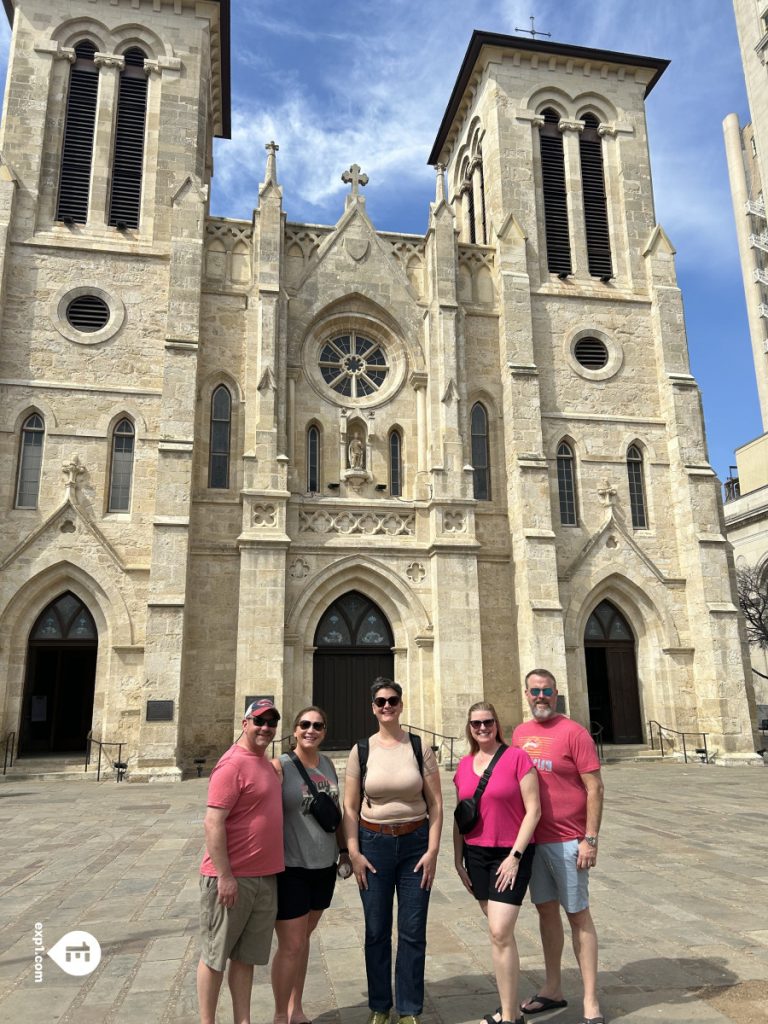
[[440, 183], [606, 492], [354, 178], [270, 177], [73, 471]]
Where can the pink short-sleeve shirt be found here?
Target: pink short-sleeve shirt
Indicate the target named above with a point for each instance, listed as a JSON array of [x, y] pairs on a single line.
[[501, 805]]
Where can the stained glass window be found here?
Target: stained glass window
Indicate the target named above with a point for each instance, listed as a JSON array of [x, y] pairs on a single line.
[[636, 487], [566, 484], [607, 623], [480, 453], [354, 621], [353, 366], [66, 618], [30, 462], [121, 473]]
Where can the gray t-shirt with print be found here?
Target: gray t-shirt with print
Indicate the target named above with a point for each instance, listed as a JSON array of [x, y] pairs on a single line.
[[307, 845]]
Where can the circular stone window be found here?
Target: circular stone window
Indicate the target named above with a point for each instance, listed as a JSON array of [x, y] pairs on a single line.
[[591, 353], [88, 313], [353, 365]]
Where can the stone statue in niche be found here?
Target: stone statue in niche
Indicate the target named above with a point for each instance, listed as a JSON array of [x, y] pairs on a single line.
[[356, 452]]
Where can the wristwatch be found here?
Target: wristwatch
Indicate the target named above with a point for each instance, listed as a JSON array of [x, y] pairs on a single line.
[[517, 855], [592, 840]]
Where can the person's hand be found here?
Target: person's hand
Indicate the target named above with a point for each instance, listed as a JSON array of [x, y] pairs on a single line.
[[226, 887], [586, 857], [507, 873], [464, 876], [361, 866], [427, 865]]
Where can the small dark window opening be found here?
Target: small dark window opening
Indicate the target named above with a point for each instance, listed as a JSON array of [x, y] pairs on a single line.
[[595, 205], [30, 461], [555, 195], [636, 487], [221, 422], [566, 484], [591, 353], [395, 464], [121, 473], [79, 128], [480, 453], [128, 163], [313, 460], [470, 193]]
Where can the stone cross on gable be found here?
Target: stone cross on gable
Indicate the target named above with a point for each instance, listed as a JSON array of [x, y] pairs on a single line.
[[354, 178], [271, 175]]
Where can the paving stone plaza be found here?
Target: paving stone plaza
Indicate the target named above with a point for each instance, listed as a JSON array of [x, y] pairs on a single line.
[[679, 898]]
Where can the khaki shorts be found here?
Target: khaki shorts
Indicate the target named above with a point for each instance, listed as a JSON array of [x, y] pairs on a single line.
[[242, 932]]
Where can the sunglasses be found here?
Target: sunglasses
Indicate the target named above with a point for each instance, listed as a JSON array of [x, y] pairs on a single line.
[[481, 723], [541, 691], [265, 723], [306, 725], [381, 702]]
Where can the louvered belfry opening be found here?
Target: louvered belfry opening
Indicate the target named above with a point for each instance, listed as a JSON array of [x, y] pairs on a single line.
[[128, 163], [595, 205], [79, 127], [555, 196]]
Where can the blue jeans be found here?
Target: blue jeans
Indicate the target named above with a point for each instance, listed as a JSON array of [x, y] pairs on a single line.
[[394, 858]]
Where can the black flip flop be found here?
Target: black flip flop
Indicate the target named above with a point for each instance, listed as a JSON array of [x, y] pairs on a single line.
[[546, 1005]]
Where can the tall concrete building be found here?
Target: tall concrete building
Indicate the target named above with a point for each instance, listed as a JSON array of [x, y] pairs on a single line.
[[252, 456]]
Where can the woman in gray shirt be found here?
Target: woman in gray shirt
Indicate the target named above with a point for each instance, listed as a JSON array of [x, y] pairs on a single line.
[[305, 888]]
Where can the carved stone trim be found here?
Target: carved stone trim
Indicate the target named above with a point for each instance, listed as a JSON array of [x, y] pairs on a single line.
[[570, 126], [353, 522], [109, 60]]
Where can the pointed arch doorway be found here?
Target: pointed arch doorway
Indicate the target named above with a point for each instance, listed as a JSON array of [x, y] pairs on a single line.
[[353, 645], [614, 699], [60, 679]]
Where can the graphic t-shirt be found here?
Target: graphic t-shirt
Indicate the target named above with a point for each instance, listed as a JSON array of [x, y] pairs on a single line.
[[248, 786], [562, 750], [307, 845], [501, 805]]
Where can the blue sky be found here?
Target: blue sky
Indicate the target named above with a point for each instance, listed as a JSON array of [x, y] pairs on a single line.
[[335, 83]]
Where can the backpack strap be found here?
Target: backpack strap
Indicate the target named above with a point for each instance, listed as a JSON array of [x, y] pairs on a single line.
[[418, 751], [363, 749]]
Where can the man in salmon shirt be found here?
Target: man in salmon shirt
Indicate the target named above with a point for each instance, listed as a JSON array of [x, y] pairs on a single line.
[[566, 840], [244, 851]]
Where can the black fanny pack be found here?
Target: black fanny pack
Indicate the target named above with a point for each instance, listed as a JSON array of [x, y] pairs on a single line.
[[323, 808], [467, 811]]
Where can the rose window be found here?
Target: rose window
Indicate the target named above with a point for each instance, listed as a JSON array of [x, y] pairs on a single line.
[[353, 365]]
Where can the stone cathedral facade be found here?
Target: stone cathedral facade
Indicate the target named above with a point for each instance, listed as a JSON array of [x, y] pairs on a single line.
[[250, 456]]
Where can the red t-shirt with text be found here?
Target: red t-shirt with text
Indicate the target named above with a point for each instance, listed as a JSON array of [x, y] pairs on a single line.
[[562, 750], [248, 786]]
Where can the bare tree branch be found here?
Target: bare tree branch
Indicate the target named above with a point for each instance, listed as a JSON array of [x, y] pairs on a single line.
[[752, 589]]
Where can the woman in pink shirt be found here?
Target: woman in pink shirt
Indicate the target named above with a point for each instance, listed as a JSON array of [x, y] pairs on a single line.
[[494, 858]]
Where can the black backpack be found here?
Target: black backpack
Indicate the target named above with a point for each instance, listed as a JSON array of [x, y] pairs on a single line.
[[364, 748]]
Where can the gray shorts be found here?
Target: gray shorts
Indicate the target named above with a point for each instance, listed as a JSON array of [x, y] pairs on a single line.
[[242, 932], [556, 877]]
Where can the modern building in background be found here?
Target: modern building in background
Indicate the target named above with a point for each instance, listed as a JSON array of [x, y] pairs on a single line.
[[250, 456]]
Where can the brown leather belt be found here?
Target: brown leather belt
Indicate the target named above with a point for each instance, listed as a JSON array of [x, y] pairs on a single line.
[[392, 830]]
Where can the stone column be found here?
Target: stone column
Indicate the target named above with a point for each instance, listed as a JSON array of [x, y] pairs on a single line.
[[571, 133], [110, 65]]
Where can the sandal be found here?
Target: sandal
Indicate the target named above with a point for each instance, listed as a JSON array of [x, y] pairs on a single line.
[[546, 1005], [493, 1018]]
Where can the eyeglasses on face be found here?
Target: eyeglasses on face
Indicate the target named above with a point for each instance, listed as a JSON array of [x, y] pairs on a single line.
[[264, 723], [381, 702], [541, 691], [481, 723], [306, 725]]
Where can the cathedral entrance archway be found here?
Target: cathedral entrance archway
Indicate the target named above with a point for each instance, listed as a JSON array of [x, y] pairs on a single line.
[[353, 644], [60, 679], [614, 699]]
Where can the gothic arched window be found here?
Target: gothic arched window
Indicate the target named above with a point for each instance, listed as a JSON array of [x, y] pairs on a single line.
[[30, 461], [79, 128], [128, 159], [595, 205], [481, 463], [221, 423], [395, 464], [636, 487], [313, 460], [566, 484], [121, 467], [555, 195]]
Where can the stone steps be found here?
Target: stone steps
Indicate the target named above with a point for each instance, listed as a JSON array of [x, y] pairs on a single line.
[[55, 769]]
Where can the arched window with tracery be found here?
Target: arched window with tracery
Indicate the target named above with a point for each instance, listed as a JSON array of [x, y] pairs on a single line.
[[121, 467], [555, 194], [566, 485], [481, 463], [595, 203], [128, 157], [395, 463], [221, 433], [313, 460], [30, 461], [636, 480], [79, 129]]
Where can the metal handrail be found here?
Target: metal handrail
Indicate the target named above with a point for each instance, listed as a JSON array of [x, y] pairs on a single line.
[[596, 732], [101, 744], [281, 741], [8, 761], [445, 740], [676, 732]]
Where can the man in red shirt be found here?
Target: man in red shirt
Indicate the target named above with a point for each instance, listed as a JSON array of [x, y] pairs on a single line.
[[571, 792], [244, 851]]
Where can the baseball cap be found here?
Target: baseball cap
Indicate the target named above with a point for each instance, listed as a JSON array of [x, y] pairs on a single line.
[[260, 707]]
